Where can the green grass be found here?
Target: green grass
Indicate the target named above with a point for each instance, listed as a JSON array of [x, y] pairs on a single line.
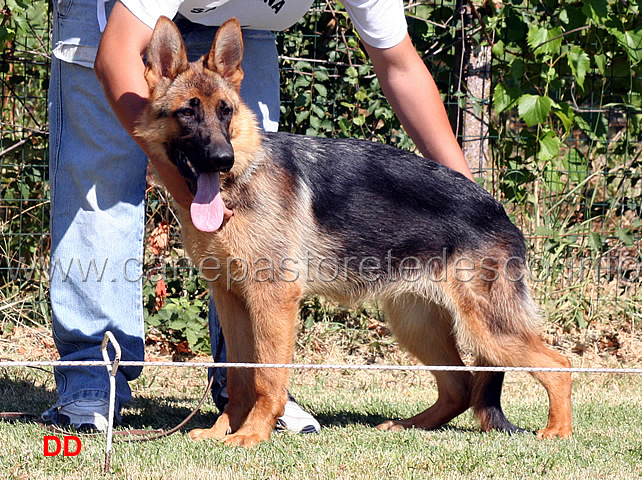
[[607, 442]]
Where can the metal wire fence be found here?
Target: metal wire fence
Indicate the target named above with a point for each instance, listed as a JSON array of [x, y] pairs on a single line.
[[24, 208], [580, 207]]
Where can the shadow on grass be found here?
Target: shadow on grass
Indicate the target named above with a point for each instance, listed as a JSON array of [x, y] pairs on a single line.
[[32, 393], [344, 419], [166, 412], [159, 413]]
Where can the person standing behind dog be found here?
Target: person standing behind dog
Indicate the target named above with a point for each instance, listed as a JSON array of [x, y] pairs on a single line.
[[98, 166]]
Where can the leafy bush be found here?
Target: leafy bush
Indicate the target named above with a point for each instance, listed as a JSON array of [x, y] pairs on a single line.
[[568, 108], [24, 212]]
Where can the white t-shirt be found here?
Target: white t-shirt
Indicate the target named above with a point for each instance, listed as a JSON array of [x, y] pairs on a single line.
[[380, 23]]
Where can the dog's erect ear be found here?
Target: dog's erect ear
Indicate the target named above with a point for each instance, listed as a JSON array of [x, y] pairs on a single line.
[[166, 54], [227, 52]]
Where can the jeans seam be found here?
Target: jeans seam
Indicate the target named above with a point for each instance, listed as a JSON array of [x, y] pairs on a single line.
[[65, 10], [54, 153]]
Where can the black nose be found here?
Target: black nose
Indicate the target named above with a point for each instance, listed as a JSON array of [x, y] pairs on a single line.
[[220, 158]]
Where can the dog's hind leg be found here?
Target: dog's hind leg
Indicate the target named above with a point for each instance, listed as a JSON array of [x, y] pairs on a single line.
[[425, 329], [497, 319], [529, 352], [486, 402]]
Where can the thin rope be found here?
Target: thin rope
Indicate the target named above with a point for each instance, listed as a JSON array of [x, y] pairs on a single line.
[[320, 366]]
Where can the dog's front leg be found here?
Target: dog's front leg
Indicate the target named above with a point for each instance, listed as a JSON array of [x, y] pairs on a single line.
[[273, 311], [235, 321], [258, 328]]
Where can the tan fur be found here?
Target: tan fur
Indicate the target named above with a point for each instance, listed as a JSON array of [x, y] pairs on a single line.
[[258, 306]]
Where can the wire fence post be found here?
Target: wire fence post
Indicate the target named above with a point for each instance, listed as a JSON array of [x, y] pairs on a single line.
[[112, 368]]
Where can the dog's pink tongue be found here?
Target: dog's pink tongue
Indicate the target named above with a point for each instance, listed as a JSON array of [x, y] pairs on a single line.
[[207, 207]]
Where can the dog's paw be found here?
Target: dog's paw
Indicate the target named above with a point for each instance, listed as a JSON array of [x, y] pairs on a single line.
[[247, 441], [553, 432], [201, 434], [218, 431], [393, 426], [205, 433]]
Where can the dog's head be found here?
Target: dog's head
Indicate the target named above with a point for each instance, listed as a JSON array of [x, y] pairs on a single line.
[[192, 110]]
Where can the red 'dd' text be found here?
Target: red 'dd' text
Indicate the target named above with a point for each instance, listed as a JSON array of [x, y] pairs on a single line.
[[64, 446]]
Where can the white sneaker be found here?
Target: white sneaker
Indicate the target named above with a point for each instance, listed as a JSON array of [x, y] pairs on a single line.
[[294, 419], [88, 414]]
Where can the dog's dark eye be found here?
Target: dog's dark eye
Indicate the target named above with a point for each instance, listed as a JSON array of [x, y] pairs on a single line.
[[224, 109], [186, 112]]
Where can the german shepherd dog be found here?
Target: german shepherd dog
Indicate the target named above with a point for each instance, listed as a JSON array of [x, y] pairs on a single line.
[[351, 220]]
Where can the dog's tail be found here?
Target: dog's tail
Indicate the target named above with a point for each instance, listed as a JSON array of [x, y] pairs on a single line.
[[495, 315]]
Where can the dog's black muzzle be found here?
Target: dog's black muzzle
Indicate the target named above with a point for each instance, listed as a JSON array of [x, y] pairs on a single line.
[[193, 158]]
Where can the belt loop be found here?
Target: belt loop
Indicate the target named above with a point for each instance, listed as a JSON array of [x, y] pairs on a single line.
[[101, 14]]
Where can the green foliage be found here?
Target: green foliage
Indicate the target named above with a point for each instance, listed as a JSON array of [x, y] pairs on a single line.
[[551, 49], [183, 319], [534, 109], [183, 312], [24, 210], [338, 95], [14, 22], [568, 107], [551, 62]]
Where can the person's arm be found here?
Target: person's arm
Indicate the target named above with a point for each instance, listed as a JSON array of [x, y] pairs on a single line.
[[411, 90], [120, 70]]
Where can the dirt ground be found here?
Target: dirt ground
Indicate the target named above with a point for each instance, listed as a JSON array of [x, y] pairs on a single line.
[[599, 345]]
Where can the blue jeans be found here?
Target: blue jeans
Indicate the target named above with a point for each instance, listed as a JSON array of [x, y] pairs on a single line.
[[97, 178]]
